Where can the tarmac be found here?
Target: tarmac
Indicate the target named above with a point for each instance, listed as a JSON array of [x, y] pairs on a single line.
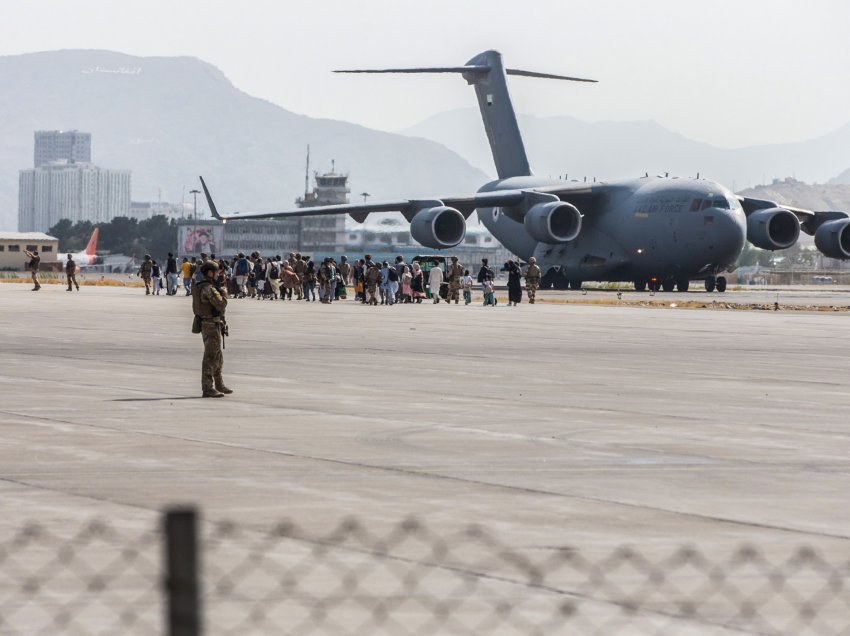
[[553, 424]]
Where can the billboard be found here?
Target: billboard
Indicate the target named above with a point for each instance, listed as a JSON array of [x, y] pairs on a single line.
[[194, 239]]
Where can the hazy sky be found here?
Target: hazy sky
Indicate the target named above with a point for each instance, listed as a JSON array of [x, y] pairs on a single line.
[[731, 73]]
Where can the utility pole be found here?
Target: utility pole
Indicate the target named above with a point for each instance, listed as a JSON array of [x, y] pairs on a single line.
[[195, 194], [365, 196], [307, 174]]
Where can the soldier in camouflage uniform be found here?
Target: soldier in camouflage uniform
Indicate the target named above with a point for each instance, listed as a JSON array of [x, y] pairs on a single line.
[[299, 266], [71, 273], [454, 275], [373, 279], [145, 272], [532, 279], [34, 265], [210, 305]]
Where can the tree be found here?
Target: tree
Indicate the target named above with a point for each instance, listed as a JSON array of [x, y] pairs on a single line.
[[159, 235], [72, 237], [62, 231], [754, 256], [118, 236], [155, 236]]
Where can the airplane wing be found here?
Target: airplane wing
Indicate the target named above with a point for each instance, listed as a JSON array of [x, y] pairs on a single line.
[[408, 207], [810, 220]]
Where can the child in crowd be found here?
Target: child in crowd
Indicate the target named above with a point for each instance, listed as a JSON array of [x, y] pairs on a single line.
[[406, 291], [466, 283], [155, 275], [489, 291]]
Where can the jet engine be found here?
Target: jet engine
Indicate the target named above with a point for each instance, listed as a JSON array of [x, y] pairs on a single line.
[[833, 239], [773, 229], [439, 227], [553, 222]]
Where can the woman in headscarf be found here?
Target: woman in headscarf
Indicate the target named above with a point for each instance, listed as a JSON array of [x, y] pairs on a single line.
[[287, 279], [406, 279], [417, 283], [514, 283], [309, 282], [273, 277]]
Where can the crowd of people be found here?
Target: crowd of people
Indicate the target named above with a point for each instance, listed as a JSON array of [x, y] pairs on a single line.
[[298, 277]]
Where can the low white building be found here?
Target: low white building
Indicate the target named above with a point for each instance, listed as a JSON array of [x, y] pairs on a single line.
[[13, 245]]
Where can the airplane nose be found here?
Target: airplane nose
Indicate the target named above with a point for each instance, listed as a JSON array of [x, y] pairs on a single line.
[[730, 235]]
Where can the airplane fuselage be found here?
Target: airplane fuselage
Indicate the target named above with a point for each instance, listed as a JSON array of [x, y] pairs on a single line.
[[86, 260], [634, 229]]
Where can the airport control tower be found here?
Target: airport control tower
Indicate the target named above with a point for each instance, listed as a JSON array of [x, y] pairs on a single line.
[[322, 234]]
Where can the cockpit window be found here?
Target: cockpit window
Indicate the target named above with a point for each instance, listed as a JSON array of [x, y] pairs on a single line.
[[695, 205], [706, 204], [720, 202]]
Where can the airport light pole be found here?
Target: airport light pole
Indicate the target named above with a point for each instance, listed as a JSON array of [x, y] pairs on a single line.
[[195, 194], [365, 196]]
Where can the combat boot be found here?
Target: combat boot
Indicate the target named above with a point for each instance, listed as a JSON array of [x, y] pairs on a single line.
[[219, 386], [212, 393]]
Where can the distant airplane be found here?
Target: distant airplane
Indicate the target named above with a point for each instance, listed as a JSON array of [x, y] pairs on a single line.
[[88, 256], [654, 231]]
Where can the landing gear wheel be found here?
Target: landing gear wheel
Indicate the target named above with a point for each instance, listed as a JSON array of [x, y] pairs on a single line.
[[640, 285], [721, 284], [575, 284], [561, 283], [668, 285], [682, 284], [710, 284]]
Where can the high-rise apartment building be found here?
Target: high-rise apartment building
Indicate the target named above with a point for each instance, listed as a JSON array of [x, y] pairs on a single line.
[[61, 145], [64, 184], [74, 191]]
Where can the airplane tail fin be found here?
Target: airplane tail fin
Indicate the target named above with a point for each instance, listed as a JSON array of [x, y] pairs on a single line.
[[213, 209], [486, 72], [91, 248]]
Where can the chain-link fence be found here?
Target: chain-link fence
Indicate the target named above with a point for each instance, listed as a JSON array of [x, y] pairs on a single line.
[[94, 579], [233, 579]]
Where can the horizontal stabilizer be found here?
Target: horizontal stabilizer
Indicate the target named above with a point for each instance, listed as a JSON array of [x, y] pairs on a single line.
[[433, 69], [487, 74], [471, 68], [516, 71]]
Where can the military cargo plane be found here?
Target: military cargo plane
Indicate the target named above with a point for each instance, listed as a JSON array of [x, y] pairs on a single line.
[[655, 232]]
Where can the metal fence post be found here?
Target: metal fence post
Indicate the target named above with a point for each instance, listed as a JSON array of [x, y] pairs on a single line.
[[183, 572]]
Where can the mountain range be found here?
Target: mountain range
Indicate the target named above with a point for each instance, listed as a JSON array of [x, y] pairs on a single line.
[[825, 196], [564, 145], [169, 119]]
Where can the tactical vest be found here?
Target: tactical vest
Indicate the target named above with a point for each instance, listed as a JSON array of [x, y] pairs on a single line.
[[200, 308]]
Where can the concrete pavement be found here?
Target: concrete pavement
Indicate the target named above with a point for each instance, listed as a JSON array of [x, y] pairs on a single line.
[[549, 424]]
